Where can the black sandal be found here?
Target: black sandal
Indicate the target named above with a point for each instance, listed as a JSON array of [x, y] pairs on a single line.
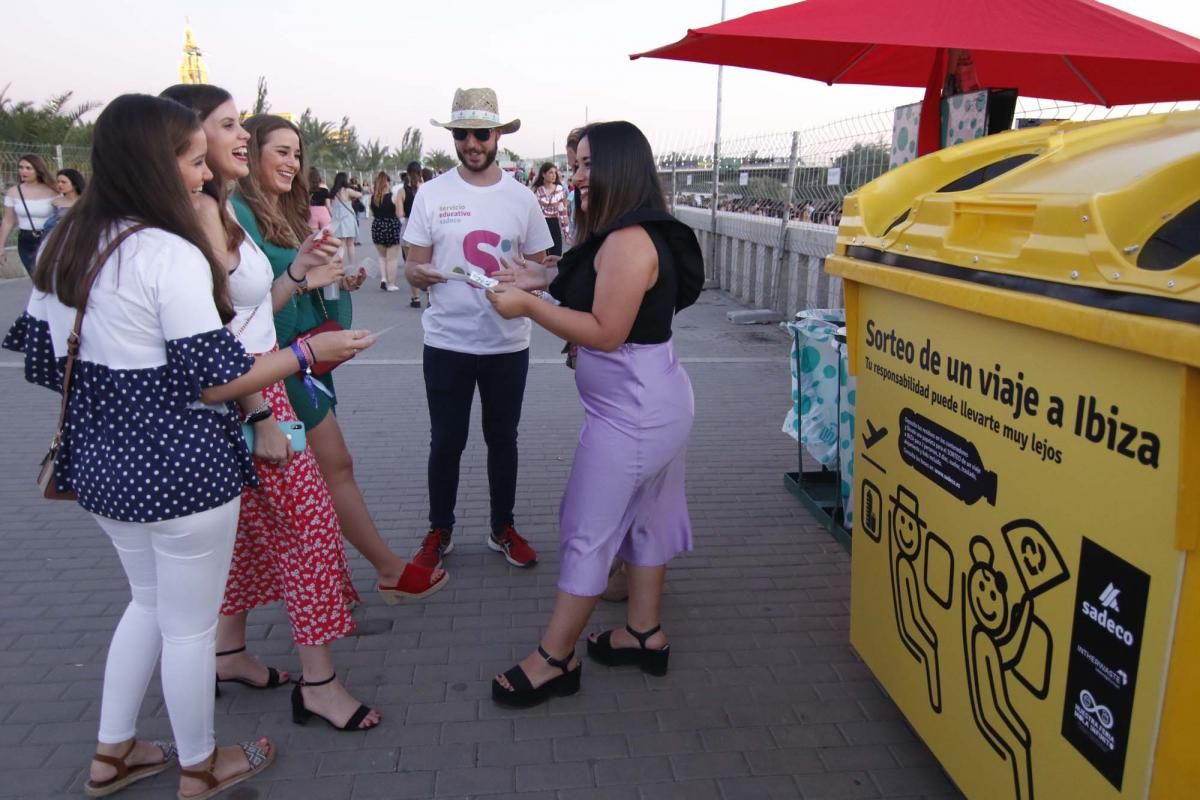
[[524, 695], [273, 679], [653, 662], [301, 715]]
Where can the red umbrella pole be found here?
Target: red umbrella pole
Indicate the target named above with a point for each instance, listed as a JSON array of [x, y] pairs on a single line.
[[929, 136]]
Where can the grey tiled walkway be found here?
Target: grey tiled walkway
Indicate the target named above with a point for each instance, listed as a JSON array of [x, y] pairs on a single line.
[[765, 697]]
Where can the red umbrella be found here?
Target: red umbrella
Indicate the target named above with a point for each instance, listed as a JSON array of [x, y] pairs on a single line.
[[1076, 50]]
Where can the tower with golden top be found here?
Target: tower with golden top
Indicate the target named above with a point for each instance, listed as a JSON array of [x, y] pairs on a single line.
[[192, 69]]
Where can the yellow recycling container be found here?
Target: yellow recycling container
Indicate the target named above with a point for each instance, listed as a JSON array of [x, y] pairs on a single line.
[[1024, 323]]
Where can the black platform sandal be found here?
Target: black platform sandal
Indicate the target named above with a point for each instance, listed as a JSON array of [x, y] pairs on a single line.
[[524, 695], [273, 679], [301, 715], [653, 662]]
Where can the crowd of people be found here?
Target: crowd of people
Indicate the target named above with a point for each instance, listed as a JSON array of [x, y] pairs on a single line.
[[200, 426]]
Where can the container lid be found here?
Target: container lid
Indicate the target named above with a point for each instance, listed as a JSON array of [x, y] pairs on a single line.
[[1104, 214]]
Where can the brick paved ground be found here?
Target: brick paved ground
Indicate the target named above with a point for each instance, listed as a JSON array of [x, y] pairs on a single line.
[[765, 697]]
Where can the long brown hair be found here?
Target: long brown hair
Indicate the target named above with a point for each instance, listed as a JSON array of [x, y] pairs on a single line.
[[40, 170], [622, 176], [383, 182], [204, 99], [135, 177], [283, 219]]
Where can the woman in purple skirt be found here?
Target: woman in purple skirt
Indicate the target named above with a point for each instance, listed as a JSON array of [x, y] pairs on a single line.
[[619, 290]]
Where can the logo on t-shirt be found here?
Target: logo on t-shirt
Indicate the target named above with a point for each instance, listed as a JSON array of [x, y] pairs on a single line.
[[484, 259], [449, 214]]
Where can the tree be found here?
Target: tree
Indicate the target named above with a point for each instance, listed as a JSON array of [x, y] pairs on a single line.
[[508, 155], [409, 150], [862, 163], [317, 137], [54, 122], [372, 157], [261, 106], [439, 160]]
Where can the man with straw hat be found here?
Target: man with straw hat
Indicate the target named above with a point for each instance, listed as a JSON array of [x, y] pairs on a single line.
[[463, 223]]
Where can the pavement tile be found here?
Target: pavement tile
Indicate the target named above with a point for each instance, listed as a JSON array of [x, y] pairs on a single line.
[[765, 697]]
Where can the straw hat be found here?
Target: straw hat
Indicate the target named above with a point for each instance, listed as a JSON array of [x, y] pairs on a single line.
[[477, 108]]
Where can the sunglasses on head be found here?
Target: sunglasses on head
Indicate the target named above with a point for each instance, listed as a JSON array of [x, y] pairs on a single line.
[[480, 134]]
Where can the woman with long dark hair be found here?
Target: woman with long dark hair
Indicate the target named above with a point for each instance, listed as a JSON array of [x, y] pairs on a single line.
[[552, 197], [152, 448], [271, 203], [620, 287], [345, 221], [70, 184], [28, 206], [414, 178]]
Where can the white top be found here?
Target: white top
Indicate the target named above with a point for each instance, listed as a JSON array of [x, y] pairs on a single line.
[[472, 228], [140, 445], [39, 209], [250, 290]]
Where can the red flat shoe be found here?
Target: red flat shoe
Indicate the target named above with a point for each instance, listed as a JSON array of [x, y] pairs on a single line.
[[415, 583]]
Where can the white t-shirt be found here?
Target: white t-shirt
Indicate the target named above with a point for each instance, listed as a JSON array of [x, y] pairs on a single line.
[[472, 227]]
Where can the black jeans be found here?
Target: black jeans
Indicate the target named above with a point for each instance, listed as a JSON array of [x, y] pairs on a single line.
[[450, 381], [27, 247]]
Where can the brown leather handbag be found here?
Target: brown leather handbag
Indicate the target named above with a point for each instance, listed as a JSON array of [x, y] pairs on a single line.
[[45, 478]]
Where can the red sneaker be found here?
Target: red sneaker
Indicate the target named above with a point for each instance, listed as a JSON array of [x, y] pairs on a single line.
[[515, 549], [436, 544]]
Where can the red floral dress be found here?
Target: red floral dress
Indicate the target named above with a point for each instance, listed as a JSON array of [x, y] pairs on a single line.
[[289, 546]]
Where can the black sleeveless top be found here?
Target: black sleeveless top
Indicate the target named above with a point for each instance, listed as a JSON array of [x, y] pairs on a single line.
[[680, 274], [384, 210], [410, 194]]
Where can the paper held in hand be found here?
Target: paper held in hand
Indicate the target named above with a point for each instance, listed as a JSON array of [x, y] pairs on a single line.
[[476, 279]]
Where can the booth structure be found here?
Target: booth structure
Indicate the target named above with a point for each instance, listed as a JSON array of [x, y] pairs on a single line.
[[1023, 317]]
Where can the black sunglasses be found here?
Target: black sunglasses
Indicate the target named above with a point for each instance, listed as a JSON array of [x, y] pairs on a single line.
[[480, 134]]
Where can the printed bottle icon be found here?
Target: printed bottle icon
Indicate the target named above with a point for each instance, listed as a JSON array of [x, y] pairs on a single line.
[[946, 458]]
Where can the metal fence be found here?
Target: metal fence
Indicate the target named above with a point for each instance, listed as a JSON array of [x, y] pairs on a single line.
[[57, 156], [803, 173], [810, 170]]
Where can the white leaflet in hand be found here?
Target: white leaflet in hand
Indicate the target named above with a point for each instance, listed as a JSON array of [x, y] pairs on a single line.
[[377, 334], [477, 279]]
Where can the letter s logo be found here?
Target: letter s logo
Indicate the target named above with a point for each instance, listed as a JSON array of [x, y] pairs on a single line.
[[477, 257]]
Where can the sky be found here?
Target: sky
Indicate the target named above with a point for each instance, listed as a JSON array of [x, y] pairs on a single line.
[[389, 64]]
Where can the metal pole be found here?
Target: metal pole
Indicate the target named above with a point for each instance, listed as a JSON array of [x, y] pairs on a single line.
[[674, 170], [716, 192], [58, 155], [777, 299]]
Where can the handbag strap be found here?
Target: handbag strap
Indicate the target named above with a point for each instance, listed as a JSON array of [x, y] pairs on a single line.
[[73, 337], [27, 214]]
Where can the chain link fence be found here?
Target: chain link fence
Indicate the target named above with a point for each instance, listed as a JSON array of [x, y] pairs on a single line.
[[57, 156], [800, 175], [805, 174]]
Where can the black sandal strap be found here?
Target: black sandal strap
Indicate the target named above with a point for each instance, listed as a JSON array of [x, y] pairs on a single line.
[[241, 649], [642, 638], [303, 682], [356, 718], [518, 680], [561, 663]]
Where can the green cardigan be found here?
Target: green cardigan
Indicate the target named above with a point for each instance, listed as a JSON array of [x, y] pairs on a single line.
[[301, 313]]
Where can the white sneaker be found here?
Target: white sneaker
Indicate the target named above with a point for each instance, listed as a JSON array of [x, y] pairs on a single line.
[[393, 287]]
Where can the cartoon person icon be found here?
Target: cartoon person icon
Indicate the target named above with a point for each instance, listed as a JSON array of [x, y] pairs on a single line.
[[988, 626], [904, 544]]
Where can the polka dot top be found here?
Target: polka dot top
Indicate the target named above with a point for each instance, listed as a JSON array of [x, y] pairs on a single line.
[[140, 446]]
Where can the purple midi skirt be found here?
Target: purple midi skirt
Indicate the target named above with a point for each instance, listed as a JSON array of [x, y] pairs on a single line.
[[626, 495]]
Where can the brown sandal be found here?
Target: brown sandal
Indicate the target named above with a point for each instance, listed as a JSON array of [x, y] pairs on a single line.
[[127, 775], [255, 757]]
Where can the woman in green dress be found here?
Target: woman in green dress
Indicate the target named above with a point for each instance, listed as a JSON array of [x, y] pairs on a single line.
[[272, 204]]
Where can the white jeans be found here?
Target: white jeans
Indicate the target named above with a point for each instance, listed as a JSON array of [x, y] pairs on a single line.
[[177, 571]]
